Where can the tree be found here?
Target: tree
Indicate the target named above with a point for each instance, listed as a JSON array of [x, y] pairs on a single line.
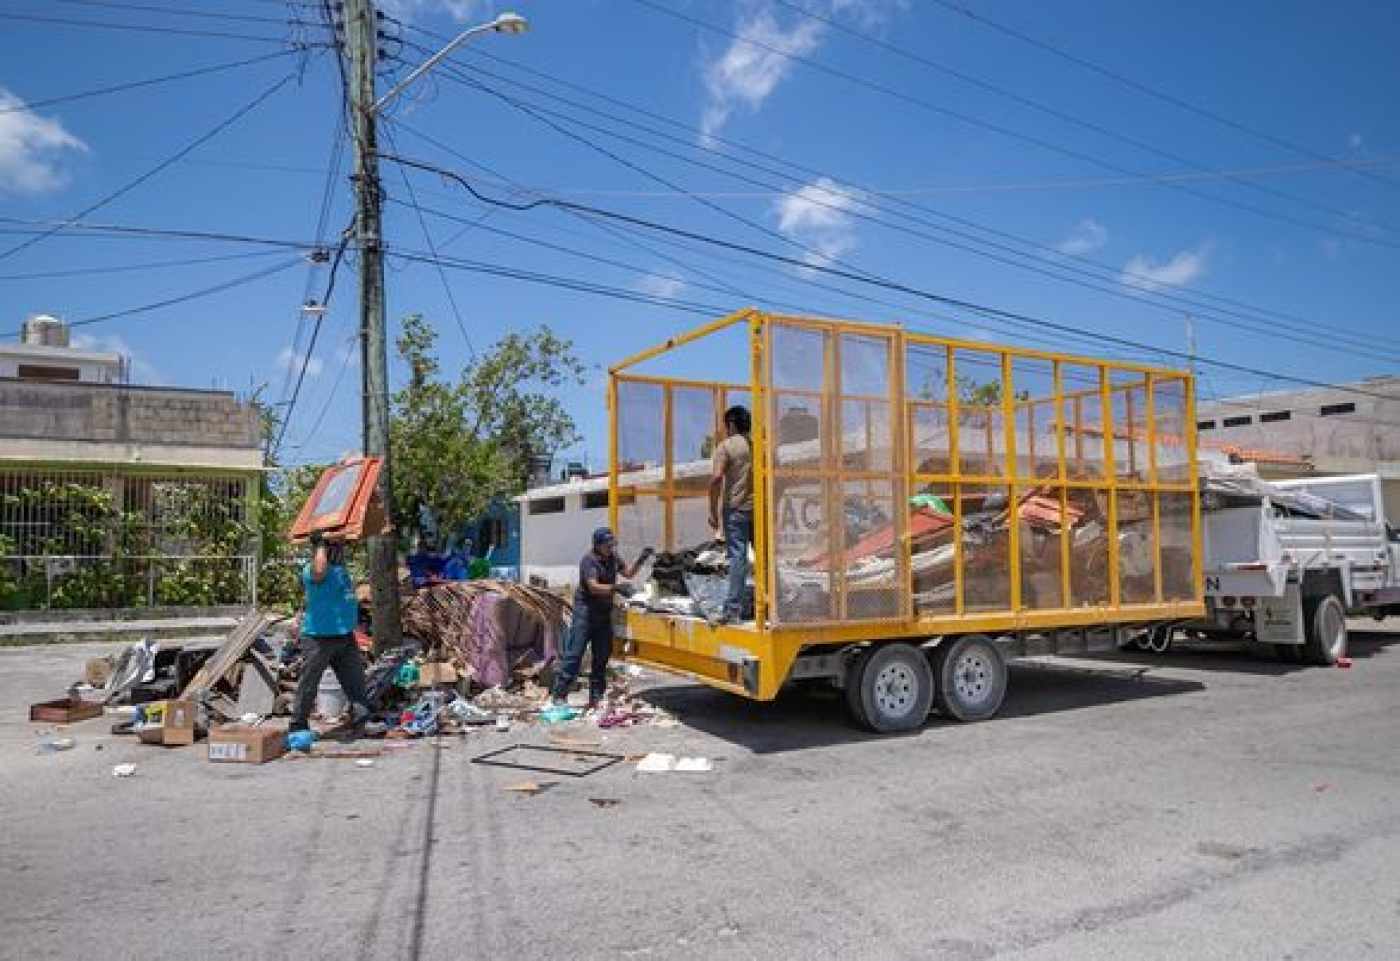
[[456, 447]]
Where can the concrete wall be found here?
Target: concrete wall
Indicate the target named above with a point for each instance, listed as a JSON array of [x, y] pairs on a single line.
[[65, 413]]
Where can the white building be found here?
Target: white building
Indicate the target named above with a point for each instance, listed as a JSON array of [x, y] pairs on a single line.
[[43, 353], [556, 528], [1345, 429]]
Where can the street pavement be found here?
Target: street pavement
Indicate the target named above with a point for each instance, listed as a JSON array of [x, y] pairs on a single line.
[[1193, 805]]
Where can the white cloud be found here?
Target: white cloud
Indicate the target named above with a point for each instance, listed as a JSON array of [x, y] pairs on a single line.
[[662, 286], [32, 148], [289, 359], [1148, 273], [754, 64], [760, 57], [414, 10], [142, 371], [818, 216], [1088, 237]]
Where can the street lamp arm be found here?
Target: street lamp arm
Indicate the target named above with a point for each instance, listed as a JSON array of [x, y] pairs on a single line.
[[505, 23]]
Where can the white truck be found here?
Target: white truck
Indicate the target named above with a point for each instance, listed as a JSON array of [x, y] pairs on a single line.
[[1286, 562]]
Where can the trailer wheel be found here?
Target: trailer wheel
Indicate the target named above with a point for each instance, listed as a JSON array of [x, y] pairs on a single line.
[[971, 675], [1324, 630], [891, 688], [855, 673]]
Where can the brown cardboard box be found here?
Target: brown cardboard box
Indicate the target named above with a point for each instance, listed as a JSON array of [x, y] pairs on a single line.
[[170, 723], [64, 711], [434, 673], [240, 744]]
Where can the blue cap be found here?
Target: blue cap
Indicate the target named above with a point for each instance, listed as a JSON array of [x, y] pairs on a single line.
[[603, 535]]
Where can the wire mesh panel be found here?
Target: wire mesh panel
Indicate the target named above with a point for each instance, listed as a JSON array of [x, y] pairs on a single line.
[[913, 480], [95, 539]]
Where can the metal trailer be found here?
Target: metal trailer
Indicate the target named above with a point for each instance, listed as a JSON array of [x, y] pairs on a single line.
[[1057, 507], [1289, 578]]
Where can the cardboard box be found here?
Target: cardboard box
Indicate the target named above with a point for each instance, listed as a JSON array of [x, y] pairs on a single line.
[[241, 744], [64, 711], [436, 672], [171, 723]]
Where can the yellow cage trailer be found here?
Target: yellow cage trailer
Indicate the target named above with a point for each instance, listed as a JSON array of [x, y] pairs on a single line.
[[924, 507]]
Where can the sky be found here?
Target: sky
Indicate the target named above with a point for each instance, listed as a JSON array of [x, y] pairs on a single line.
[[1101, 171]]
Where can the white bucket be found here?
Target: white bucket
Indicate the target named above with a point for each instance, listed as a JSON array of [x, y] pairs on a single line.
[[330, 698]]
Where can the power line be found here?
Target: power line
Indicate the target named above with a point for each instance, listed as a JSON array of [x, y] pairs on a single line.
[[1055, 266], [1002, 130], [1090, 125], [186, 12], [1155, 93], [1052, 260], [126, 268], [52, 227], [149, 82], [428, 239], [203, 292], [150, 28], [863, 278], [311, 346], [170, 161]]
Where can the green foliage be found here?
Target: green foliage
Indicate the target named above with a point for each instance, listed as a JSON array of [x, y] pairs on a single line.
[[80, 549], [458, 445]]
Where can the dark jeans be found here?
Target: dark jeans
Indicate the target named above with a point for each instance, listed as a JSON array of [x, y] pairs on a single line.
[[738, 535], [340, 654], [588, 632]]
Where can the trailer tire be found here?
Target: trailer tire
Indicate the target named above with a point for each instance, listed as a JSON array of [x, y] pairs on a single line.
[[855, 672], [971, 678], [1324, 630], [891, 689]]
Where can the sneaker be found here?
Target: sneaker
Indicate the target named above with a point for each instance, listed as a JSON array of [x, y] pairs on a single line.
[[371, 728]]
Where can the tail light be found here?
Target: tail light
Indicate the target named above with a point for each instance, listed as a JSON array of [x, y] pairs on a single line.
[[1248, 601], [1228, 601]]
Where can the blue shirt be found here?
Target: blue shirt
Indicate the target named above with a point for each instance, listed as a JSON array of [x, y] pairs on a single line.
[[331, 608], [603, 570]]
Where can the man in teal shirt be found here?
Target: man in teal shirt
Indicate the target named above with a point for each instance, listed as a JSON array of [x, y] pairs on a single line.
[[328, 634]]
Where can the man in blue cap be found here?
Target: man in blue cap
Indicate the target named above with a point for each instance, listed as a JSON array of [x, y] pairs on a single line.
[[592, 620]]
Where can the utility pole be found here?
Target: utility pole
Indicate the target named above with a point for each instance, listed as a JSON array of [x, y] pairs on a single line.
[[361, 41]]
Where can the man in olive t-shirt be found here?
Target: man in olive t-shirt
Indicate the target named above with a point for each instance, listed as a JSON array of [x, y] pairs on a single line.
[[731, 485]]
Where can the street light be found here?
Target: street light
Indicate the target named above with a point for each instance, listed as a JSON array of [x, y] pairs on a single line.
[[360, 40], [505, 23]]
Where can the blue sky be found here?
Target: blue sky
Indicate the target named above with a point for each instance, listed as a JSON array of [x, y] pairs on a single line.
[[1241, 164]]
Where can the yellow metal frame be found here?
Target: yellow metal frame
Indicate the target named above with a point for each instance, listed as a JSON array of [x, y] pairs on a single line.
[[754, 659]]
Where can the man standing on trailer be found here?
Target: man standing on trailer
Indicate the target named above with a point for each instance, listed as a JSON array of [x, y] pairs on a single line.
[[731, 485]]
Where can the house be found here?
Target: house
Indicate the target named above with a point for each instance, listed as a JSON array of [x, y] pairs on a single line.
[[116, 495]]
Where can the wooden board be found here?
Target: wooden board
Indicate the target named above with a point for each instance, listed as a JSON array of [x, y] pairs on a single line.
[[243, 636]]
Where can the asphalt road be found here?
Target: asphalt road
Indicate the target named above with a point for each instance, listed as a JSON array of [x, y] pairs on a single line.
[[1216, 806]]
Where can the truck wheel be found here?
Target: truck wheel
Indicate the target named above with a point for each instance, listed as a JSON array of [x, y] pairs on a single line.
[[1324, 630], [892, 688], [855, 672], [971, 676]]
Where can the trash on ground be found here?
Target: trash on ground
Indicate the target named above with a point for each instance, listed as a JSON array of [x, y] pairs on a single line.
[[604, 802], [549, 760], [52, 745], [529, 788], [246, 744], [656, 763], [365, 762], [64, 711], [300, 740], [124, 770]]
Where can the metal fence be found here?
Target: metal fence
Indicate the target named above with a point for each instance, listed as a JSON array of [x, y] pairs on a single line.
[[103, 539], [925, 482]]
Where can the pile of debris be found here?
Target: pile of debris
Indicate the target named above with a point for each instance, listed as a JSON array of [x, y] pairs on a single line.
[[480, 655]]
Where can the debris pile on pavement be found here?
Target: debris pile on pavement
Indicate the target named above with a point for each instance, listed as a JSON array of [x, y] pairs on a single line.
[[476, 655]]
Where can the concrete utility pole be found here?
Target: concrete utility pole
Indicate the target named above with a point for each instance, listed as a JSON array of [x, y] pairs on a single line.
[[361, 40]]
